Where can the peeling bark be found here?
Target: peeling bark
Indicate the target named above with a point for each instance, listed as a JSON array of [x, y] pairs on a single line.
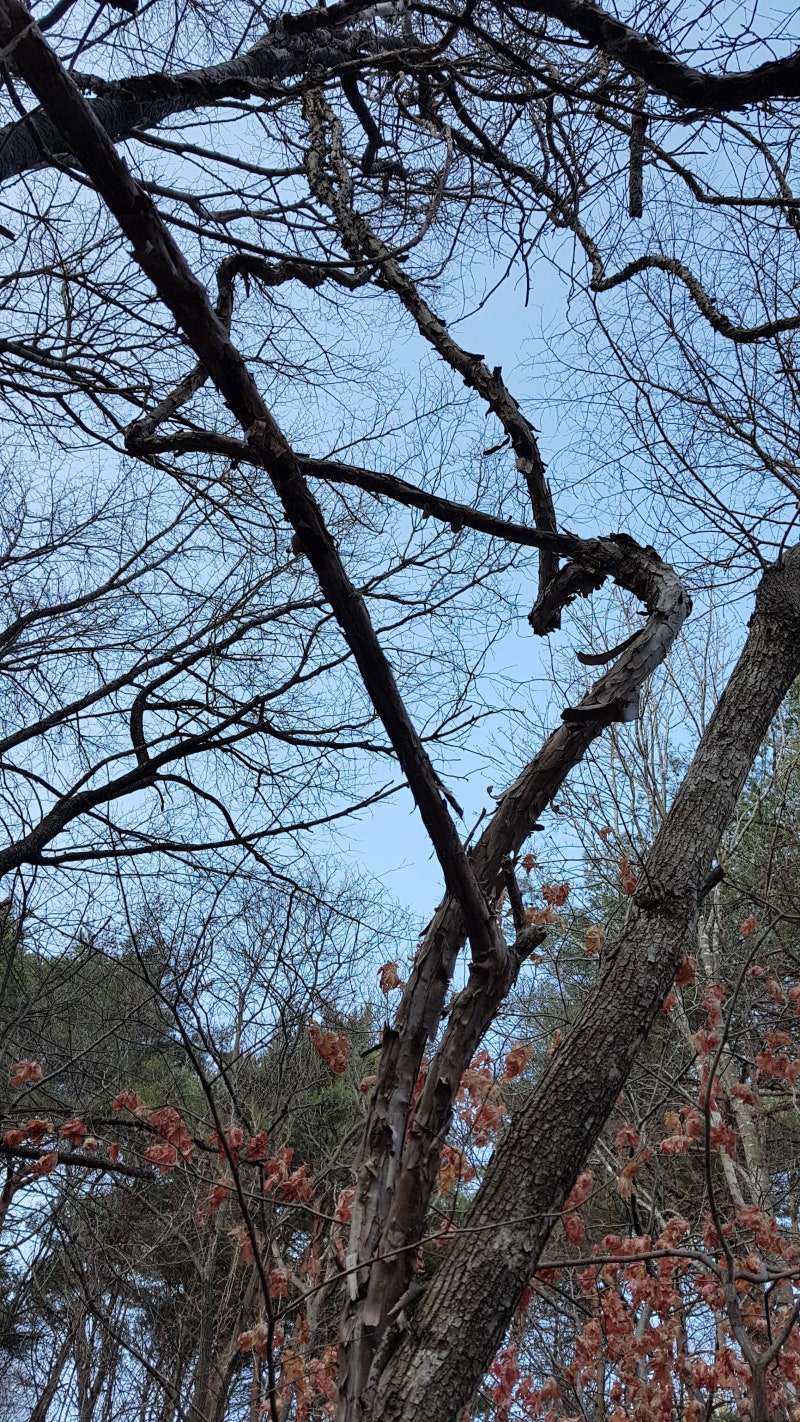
[[322, 41]]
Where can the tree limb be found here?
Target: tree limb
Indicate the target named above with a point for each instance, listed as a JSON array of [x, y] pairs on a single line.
[[467, 1307], [162, 261], [662, 72]]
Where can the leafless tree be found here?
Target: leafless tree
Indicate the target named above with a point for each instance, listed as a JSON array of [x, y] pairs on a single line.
[[330, 174]]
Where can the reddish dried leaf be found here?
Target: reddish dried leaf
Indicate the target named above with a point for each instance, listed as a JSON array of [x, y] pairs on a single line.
[[686, 973], [173, 1129], [74, 1130], [163, 1156], [595, 939], [46, 1163], [23, 1072], [388, 977], [517, 1060]]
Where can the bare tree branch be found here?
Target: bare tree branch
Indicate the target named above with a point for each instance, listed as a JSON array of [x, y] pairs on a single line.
[[465, 1311]]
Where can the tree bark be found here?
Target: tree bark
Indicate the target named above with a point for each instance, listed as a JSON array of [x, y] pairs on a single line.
[[397, 1165], [319, 39], [184, 295], [324, 41], [466, 1309]]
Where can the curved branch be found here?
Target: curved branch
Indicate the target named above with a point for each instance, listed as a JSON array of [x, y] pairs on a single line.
[[722, 324], [389, 486], [184, 295], [471, 1299], [293, 45], [360, 241], [398, 1163], [266, 274]]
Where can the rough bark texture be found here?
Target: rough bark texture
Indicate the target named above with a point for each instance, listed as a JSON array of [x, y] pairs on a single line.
[[323, 40], [467, 1307], [397, 1164], [640, 54], [293, 45]]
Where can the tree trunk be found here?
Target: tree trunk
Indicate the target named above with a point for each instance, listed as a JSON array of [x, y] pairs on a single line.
[[466, 1309], [46, 1396]]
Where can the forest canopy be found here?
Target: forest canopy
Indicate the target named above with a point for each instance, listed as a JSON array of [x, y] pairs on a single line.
[[286, 561]]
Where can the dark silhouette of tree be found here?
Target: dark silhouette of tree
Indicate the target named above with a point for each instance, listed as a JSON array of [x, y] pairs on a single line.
[[205, 656]]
